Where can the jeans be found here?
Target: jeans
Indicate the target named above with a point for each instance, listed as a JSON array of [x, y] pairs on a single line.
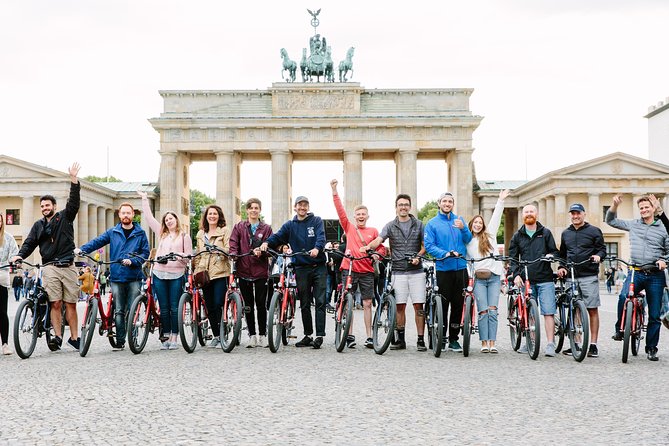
[[123, 293], [654, 284], [486, 292], [168, 292], [214, 294], [255, 291], [544, 293], [17, 293], [451, 284], [4, 319], [311, 286]]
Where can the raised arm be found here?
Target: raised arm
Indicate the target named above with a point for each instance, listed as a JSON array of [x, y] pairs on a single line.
[[146, 210], [611, 215], [341, 212]]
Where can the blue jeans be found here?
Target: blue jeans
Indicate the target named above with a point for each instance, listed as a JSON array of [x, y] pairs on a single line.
[[17, 293], [123, 293], [654, 284], [544, 293], [310, 287], [486, 292], [168, 292]]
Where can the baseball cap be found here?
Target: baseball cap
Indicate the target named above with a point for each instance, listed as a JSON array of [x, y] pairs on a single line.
[[576, 207], [301, 198], [445, 194]]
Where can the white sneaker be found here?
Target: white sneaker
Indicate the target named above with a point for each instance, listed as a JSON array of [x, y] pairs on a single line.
[[173, 345], [262, 341], [165, 345], [215, 342], [253, 342], [6, 350]]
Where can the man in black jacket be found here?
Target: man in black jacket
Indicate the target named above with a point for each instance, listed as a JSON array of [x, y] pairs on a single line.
[[579, 242], [54, 234], [533, 241]]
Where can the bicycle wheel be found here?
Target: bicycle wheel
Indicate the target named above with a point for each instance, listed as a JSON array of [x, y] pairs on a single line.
[[88, 327], [635, 340], [139, 324], [628, 329], [515, 333], [436, 324], [467, 325], [581, 323], [344, 323], [384, 323], [274, 327], [202, 323], [559, 330], [290, 313], [187, 320], [231, 322], [25, 333], [533, 334]]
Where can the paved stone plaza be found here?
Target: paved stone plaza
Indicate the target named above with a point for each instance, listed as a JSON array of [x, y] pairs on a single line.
[[304, 396]]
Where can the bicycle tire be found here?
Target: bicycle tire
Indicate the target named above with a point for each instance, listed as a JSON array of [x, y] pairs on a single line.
[[533, 333], [290, 314], [137, 330], [274, 326], [24, 329], [559, 329], [515, 333], [436, 324], [231, 322], [635, 341], [203, 324], [343, 325], [188, 323], [629, 306], [88, 327], [467, 325], [112, 324], [384, 323], [581, 324]]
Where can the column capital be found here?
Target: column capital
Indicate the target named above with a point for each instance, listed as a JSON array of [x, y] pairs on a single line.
[[409, 150], [352, 150], [224, 151], [279, 151]]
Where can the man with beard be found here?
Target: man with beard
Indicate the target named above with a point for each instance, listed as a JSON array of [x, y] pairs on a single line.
[[54, 234], [533, 241], [126, 276]]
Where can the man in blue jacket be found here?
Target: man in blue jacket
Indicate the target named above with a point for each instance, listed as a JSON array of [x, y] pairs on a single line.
[[126, 276], [305, 232], [444, 233]]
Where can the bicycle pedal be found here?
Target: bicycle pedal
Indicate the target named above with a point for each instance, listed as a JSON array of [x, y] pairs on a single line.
[[330, 310], [247, 310]]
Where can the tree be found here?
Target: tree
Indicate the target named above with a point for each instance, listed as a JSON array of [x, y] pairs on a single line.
[[96, 179], [428, 211], [198, 202]]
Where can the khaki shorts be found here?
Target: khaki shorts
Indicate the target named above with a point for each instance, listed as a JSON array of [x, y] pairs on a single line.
[[589, 287], [409, 286], [61, 283]]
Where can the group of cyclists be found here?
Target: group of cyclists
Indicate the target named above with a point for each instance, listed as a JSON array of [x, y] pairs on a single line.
[[447, 237]]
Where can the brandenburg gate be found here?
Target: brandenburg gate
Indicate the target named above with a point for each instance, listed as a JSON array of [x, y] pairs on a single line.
[[293, 121]]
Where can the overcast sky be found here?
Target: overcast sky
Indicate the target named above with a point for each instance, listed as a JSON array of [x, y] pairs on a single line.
[[564, 81]]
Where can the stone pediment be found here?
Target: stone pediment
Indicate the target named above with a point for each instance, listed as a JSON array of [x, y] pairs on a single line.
[[618, 164], [12, 168]]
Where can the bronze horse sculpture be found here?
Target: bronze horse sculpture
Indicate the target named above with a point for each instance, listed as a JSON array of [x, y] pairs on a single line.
[[288, 65], [346, 65]]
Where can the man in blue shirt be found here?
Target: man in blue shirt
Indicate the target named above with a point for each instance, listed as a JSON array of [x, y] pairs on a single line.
[[444, 233]]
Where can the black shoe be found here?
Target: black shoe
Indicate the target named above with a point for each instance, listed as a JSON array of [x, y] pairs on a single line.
[[420, 346], [618, 336], [74, 343], [369, 343], [399, 346], [317, 342], [350, 341], [55, 343], [305, 342], [568, 351], [593, 352], [652, 355], [329, 308]]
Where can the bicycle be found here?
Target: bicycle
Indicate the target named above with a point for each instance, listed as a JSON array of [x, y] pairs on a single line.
[[385, 316], [144, 315], [469, 321], [94, 307], [632, 320], [572, 315], [523, 311], [33, 316], [192, 316], [281, 313]]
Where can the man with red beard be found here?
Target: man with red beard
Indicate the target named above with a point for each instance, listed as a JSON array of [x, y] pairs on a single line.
[[533, 241], [126, 276]]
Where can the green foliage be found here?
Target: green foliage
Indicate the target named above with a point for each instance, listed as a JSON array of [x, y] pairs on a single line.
[[96, 179], [500, 231], [428, 211], [198, 202]]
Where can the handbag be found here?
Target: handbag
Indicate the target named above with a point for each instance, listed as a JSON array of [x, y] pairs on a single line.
[[202, 279], [483, 274]]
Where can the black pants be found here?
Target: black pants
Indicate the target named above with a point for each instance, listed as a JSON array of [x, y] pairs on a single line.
[[214, 295], [451, 284], [4, 319], [311, 288], [255, 291]]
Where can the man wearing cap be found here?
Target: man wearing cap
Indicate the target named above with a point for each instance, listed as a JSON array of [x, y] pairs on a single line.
[[579, 242], [305, 232], [444, 233], [649, 243]]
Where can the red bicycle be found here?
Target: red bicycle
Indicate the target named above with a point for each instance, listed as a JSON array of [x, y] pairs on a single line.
[[95, 308], [144, 314], [192, 314]]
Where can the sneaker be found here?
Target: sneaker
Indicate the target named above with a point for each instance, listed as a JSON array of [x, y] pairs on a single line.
[[568, 351], [55, 343], [454, 346], [215, 342], [329, 308], [550, 349], [305, 342], [350, 341], [369, 343], [118, 348], [593, 352], [652, 355], [318, 342], [172, 345], [618, 336], [400, 346], [420, 346], [253, 342], [262, 341], [6, 350], [74, 343], [165, 345], [523, 349]]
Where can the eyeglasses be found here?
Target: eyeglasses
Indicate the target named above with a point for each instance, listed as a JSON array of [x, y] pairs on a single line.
[[403, 205]]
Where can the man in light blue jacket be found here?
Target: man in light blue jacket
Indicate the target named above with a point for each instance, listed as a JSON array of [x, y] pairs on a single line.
[[444, 233]]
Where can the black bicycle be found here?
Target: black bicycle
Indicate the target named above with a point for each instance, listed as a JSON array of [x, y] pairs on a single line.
[[383, 326], [572, 317]]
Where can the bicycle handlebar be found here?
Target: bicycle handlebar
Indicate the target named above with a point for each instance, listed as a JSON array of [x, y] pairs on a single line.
[[370, 254], [448, 255], [274, 253], [525, 262], [99, 262], [18, 263], [631, 264], [217, 250]]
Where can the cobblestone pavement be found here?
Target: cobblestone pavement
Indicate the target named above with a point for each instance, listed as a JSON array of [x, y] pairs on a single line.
[[306, 396]]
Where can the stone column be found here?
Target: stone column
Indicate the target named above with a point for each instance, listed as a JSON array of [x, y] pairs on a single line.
[[281, 186], [169, 195], [352, 179], [594, 210], [548, 220], [102, 219], [510, 226], [92, 220], [460, 181], [82, 223], [561, 217], [541, 207], [109, 223], [28, 215], [406, 174], [486, 213], [227, 184]]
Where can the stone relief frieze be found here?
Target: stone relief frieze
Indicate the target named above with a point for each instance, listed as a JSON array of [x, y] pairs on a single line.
[[316, 102]]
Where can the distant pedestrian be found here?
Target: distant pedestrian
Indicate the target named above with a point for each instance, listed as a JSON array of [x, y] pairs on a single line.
[[17, 284], [8, 249]]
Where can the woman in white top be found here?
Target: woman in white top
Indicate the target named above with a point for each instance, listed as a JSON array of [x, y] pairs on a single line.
[[8, 249], [488, 273]]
